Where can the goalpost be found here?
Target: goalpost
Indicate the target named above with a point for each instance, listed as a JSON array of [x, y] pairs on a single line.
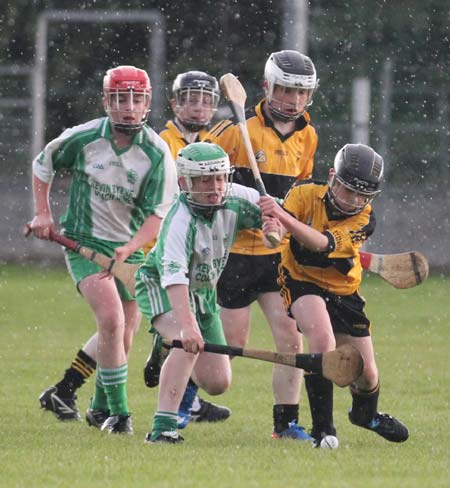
[[156, 48]]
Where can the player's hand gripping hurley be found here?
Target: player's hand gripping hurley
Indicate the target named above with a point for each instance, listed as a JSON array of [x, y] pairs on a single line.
[[235, 94], [122, 271], [342, 366]]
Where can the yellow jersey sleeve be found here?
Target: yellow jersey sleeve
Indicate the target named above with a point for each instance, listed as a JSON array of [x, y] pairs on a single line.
[[339, 269]]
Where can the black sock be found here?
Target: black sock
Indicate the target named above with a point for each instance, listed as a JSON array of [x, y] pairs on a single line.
[[283, 414], [364, 405], [80, 370], [320, 395]]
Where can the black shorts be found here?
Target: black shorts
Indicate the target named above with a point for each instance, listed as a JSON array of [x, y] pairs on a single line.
[[346, 311], [245, 277]]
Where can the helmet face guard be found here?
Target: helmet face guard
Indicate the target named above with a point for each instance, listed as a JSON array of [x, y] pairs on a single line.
[[346, 199], [283, 110], [127, 97], [289, 69], [196, 96], [203, 160], [358, 171]]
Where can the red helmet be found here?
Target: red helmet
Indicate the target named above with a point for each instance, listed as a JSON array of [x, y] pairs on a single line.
[[131, 80]]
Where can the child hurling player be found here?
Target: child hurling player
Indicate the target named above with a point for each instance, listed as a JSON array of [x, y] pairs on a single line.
[[176, 287], [194, 101], [284, 143], [320, 275], [124, 182]]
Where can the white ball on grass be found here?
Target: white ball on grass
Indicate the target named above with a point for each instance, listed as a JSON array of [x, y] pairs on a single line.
[[329, 442]]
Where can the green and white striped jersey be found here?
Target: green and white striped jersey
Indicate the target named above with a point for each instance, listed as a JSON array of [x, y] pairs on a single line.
[[192, 249], [112, 190]]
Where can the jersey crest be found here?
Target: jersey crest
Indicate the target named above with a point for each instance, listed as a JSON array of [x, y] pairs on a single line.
[[261, 157]]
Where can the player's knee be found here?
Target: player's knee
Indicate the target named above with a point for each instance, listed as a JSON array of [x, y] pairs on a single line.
[[236, 335], [323, 341], [111, 324], [217, 388], [369, 379], [289, 345], [217, 385], [287, 339]]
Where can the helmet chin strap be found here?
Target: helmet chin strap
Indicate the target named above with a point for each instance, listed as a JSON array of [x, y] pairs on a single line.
[[127, 129], [205, 209], [334, 200], [334, 205], [191, 126], [281, 117], [202, 210]]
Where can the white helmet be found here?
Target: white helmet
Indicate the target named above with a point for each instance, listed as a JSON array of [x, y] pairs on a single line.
[[203, 159], [293, 70]]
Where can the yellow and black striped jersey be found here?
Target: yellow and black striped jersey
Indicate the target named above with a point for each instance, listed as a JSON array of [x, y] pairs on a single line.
[[175, 138], [337, 270], [281, 160]]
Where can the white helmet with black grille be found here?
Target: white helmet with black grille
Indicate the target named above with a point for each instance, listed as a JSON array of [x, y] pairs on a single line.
[[290, 69]]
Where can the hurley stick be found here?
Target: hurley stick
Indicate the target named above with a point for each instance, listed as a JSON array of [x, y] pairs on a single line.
[[403, 270], [341, 366], [235, 94], [122, 271]]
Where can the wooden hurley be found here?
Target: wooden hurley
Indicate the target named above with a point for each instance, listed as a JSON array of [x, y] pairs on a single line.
[[342, 366], [122, 271]]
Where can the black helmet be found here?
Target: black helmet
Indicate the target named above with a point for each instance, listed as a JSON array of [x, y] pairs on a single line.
[[195, 80], [359, 169], [205, 87]]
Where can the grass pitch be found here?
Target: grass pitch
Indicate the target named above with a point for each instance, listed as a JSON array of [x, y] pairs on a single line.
[[43, 322]]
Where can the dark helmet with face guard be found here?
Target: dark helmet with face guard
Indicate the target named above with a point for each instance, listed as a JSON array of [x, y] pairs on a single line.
[[359, 170], [200, 87]]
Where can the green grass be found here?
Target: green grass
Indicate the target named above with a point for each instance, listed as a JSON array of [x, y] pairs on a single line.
[[43, 322]]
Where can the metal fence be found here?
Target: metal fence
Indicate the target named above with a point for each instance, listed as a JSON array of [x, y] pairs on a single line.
[[15, 121], [408, 125]]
